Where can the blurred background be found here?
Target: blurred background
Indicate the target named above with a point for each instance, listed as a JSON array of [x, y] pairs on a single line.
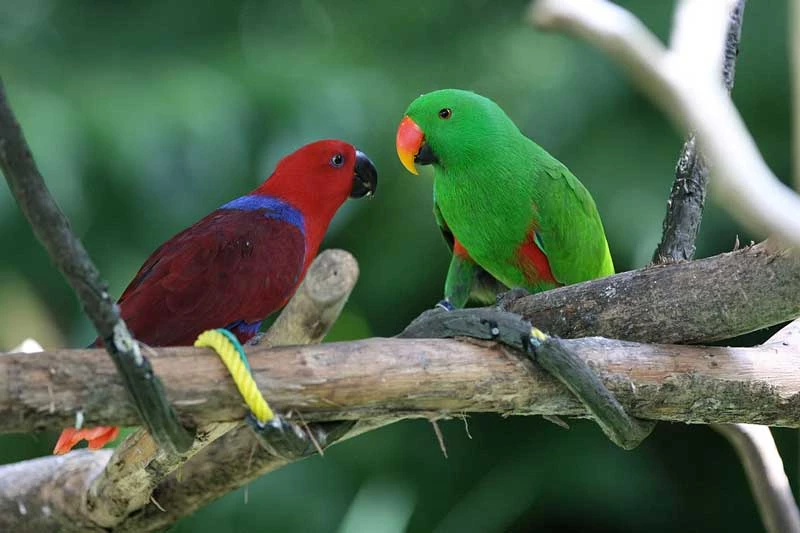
[[144, 116]]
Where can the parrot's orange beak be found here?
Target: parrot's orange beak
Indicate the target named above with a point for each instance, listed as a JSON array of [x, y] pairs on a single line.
[[409, 142]]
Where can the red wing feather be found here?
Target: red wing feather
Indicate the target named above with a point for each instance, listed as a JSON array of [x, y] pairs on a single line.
[[232, 265], [534, 262]]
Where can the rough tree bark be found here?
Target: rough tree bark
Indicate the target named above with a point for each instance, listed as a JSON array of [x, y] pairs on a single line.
[[668, 303], [373, 378]]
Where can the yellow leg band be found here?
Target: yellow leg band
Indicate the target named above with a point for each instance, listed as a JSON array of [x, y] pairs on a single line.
[[538, 334]]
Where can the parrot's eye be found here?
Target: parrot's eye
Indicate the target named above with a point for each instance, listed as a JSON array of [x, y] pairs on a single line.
[[337, 161], [445, 113]]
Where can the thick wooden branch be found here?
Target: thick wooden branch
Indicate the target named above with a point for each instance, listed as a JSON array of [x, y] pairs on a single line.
[[390, 378], [706, 300], [47, 494], [403, 377], [716, 294], [421, 377]]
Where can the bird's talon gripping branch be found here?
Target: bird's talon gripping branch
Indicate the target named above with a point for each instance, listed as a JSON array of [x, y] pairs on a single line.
[[494, 329], [275, 433], [548, 352], [282, 438], [445, 304]]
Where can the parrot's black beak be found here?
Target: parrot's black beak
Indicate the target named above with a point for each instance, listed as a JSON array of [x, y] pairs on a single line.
[[425, 156], [365, 177]]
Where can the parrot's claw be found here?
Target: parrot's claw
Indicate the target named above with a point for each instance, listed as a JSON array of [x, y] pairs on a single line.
[[554, 355], [445, 304], [557, 420], [289, 440], [494, 328]]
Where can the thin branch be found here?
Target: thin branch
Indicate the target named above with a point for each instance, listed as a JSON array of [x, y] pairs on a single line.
[[764, 469], [138, 465], [688, 194], [53, 231], [744, 184]]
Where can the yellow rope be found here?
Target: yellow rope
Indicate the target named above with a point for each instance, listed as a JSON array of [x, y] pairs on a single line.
[[232, 354]]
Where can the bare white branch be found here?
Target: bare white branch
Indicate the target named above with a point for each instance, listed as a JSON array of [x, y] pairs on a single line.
[[794, 54], [764, 468], [744, 184], [697, 42]]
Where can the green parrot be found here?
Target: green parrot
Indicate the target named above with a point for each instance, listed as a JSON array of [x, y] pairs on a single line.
[[511, 212]]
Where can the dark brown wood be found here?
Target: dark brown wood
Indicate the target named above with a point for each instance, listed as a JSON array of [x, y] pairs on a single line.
[[706, 300], [688, 194]]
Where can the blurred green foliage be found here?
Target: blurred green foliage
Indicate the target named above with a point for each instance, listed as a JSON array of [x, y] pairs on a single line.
[[146, 115]]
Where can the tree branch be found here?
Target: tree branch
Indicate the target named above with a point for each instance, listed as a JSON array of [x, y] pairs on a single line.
[[373, 378], [688, 194], [754, 444], [67, 252], [683, 82], [717, 294], [794, 57], [764, 468], [706, 300]]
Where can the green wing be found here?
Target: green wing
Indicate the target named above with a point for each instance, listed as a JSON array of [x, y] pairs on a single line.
[[570, 230]]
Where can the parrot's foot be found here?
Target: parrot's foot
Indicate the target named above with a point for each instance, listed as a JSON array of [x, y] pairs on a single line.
[[289, 440], [505, 299], [557, 420], [554, 355], [551, 353], [445, 304]]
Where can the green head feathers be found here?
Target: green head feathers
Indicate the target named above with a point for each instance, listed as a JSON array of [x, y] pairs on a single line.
[[461, 126]]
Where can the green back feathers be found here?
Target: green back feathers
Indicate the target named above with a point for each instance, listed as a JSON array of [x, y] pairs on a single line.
[[493, 186]]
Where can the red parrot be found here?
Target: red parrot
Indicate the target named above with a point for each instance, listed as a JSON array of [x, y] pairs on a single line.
[[243, 261]]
